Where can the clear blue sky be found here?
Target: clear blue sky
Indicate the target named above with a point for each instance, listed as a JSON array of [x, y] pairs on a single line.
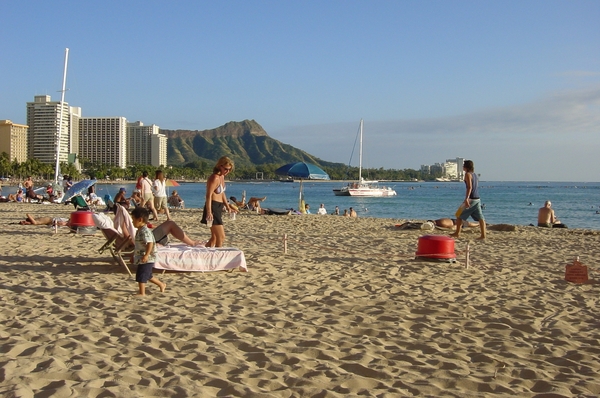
[[513, 85]]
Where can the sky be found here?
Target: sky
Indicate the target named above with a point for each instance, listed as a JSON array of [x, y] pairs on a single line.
[[512, 85]]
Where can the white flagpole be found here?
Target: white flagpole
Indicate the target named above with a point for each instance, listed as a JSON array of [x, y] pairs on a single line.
[[60, 120]]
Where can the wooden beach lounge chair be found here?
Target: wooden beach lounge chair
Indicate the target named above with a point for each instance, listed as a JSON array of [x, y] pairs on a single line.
[[119, 239]]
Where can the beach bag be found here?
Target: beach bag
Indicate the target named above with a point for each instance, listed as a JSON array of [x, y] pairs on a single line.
[[459, 210], [576, 272]]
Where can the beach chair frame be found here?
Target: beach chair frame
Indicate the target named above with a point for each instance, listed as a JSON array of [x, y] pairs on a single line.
[[117, 246]]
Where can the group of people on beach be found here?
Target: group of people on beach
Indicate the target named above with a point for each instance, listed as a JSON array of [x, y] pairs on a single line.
[[336, 212], [150, 194]]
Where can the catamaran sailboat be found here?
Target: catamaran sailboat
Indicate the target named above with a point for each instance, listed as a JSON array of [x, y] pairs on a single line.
[[363, 187]]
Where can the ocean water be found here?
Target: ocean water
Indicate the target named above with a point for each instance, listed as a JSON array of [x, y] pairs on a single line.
[[575, 203]]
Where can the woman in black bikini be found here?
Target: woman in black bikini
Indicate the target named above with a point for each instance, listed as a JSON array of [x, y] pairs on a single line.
[[216, 201]]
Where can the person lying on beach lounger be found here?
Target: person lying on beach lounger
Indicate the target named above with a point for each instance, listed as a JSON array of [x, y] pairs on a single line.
[[29, 220]]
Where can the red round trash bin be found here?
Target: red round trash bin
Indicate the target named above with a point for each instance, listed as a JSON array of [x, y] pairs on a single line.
[[82, 219], [436, 246]]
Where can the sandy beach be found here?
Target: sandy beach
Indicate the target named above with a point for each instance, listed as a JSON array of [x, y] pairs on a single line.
[[348, 311]]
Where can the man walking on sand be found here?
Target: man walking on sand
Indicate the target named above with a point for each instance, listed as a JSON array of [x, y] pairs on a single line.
[[471, 206]]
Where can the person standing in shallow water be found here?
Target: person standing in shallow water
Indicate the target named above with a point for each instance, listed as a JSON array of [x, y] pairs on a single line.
[[216, 202], [472, 203]]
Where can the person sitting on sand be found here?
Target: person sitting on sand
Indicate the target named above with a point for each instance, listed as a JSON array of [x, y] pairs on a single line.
[[353, 213], [321, 210], [50, 193], [93, 199], [547, 218], [12, 197], [121, 199], [346, 213], [29, 220], [136, 198], [176, 201], [253, 203]]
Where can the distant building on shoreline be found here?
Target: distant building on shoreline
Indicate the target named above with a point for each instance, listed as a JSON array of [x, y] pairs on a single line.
[[104, 140], [146, 145], [451, 170], [13, 140], [45, 126]]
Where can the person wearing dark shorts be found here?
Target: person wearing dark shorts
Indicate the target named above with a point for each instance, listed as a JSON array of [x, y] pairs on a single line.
[[216, 202], [471, 206], [144, 254], [217, 213]]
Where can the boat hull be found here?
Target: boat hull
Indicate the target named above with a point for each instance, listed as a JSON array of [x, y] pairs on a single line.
[[364, 190], [372, 192], [341, 192]]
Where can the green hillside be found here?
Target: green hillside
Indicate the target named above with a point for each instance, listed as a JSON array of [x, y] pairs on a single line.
[[246, 142]]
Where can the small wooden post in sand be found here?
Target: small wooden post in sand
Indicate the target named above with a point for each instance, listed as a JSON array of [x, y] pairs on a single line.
[[467, 257], [284, 243]]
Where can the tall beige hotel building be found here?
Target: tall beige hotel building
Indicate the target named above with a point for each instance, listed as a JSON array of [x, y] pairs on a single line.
[[103, 140], [13, 140], [145, 145]]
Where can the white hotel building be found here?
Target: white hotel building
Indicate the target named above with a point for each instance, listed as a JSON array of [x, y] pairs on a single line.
[[43, 116]]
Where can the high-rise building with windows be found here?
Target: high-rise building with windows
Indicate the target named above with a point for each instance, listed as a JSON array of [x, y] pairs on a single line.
[[145, 145], [13, 140], [103, 140], [43, 116], [74, 116]]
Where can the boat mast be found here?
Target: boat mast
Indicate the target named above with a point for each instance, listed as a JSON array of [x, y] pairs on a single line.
[[60, 120], [360, 153]]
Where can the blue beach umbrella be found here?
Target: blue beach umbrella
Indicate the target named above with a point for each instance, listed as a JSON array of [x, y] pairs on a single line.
[[78, 188], [302, 170]]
